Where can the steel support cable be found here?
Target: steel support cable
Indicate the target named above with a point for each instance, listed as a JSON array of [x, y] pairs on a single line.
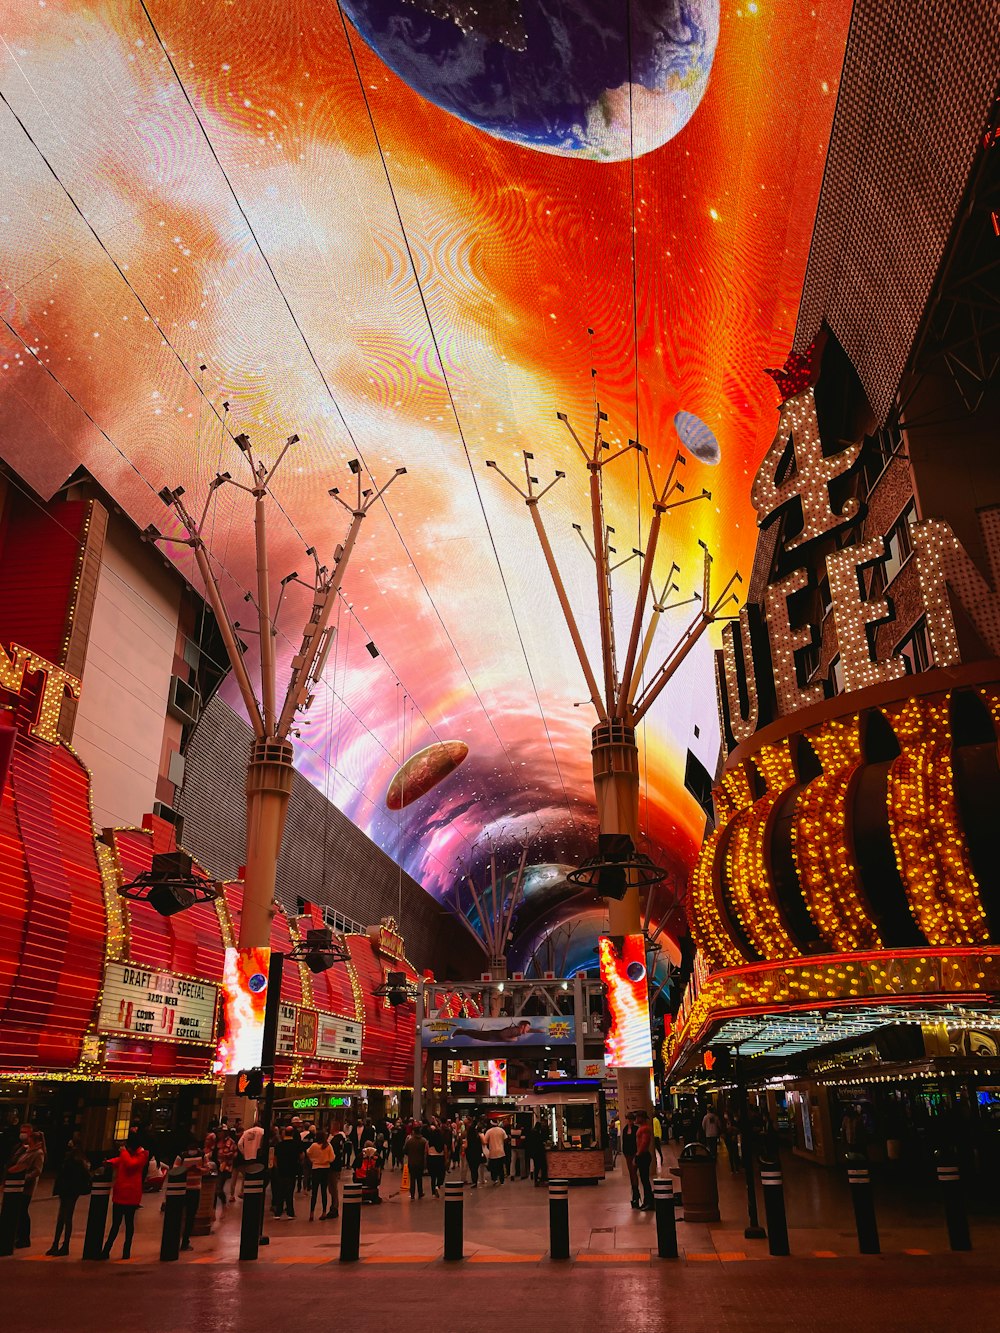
[[218, 563], [221, 417], [454, 409], [326, 385]]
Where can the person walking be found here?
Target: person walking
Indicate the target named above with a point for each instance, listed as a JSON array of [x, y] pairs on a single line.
[[473, 1153], [658, 1138], [519, 1163], [72, 1180], [248, 1149], [458, 1146], [225, 1161], [711, 1128], [644, 1158], [27, 1162], [287, 1168], [415, 1152], [495, 1142], [435, 1157], [126, 1192], [535, 1147], [397, 1138], [192, 1159], [321, 1158], [614, 1139], [731, 1135], [628, 1152], [338, 1143], [354, 1144]]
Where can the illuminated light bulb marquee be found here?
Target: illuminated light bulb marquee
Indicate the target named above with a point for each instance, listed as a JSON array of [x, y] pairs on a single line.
[[736, 640], [821, 844], [747, 670], [927, 837], [810, 480], [785, 642], [921, 817], [854, 614], [54, 685], [747, 869], [711, 932]]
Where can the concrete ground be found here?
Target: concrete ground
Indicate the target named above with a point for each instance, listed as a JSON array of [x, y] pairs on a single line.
[[720, 1281]]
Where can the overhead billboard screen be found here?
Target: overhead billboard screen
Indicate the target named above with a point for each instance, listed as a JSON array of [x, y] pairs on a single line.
[[411, 233]]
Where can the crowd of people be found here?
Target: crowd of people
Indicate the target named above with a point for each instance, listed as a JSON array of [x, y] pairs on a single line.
[[302, 1160], [306, 1164]]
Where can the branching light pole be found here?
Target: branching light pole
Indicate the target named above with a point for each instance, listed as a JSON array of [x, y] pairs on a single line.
[[495, 911], [624, 697], [270, 768]]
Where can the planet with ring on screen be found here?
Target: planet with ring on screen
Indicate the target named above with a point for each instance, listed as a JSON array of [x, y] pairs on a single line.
[[561, 78], [422, 771]]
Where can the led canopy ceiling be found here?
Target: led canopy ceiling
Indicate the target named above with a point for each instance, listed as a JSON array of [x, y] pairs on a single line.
[[407, 231]]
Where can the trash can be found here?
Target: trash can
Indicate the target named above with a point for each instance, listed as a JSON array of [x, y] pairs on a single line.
[[699, 1186]]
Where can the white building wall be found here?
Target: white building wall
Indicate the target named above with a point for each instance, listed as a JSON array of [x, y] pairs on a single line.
[[123, 698]]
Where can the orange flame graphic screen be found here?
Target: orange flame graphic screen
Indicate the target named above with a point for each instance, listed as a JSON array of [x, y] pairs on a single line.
[[498, 1078], [627, 1043], [244, 999]]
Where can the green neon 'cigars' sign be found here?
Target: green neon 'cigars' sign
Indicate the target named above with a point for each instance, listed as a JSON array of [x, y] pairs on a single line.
[[309, 1103]]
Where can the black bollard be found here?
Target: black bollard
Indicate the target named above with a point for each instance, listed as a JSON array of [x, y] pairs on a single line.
[[350, 1224], [173, 1214], [558, 1219], [454, 1208], [860, 1181], [954, 1206], [253, 1209], [666, 1218], [97, 1216], [10, 1213], [774, 1207]]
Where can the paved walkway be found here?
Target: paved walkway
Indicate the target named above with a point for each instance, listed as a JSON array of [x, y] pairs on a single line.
[[508, 1224], [721, 1282]]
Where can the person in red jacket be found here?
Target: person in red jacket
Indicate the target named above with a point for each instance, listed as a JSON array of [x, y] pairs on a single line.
[[126, 1193]]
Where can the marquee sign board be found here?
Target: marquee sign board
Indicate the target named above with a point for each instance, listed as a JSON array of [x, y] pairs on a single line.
[[142, 1002]]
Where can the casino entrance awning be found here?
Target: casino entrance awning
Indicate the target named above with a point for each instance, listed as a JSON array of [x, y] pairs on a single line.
[[776, 1011]]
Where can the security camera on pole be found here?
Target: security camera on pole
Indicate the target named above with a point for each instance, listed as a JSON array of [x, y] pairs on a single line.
[[624, 697]]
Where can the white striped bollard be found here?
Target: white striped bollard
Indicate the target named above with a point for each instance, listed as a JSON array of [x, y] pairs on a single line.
[[666, 1218], [10, 1213], [350, 1224], [860, 1180], [454, 1209], [774, 1207], [254, 1178], [97, 1216], [558, 1219], [956, 1216], [173, 1214]]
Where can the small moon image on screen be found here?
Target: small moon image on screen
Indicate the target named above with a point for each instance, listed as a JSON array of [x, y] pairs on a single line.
[[635, 971]]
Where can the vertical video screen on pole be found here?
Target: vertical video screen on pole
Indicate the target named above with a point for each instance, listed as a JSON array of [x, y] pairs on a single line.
[[244, 1000], [627, 1042], [498, 1078]]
